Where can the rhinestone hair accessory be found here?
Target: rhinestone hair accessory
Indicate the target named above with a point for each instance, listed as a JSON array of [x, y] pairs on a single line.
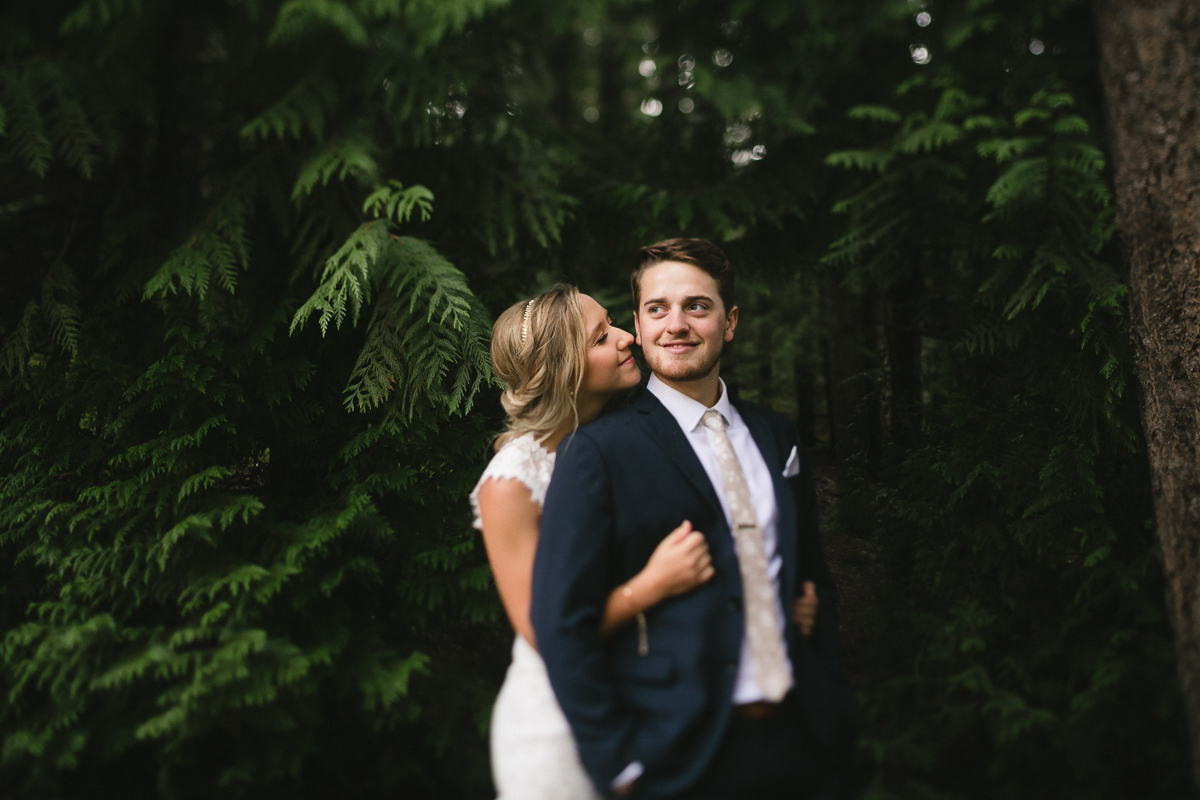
[[525, 321]]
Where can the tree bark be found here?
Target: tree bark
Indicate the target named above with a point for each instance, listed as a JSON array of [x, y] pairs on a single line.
[[1150, 68]]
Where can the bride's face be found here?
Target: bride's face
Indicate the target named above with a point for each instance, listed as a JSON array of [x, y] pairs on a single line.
[[610, 366]]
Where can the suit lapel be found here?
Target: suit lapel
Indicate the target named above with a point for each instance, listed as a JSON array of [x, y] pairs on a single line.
[[665, 431], [785, 526]]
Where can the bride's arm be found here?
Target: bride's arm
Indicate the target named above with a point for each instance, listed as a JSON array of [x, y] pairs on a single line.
[[510, 520], [680, 563]]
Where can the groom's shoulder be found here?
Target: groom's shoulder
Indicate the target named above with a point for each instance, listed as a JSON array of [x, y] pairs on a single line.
[[613, 423], [618, 427], [780, 425]]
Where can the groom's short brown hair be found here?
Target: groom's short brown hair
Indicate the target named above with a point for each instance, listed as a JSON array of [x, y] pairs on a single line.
[[698, 252]]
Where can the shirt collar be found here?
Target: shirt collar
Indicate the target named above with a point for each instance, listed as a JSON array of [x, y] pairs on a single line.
[[686, 411]]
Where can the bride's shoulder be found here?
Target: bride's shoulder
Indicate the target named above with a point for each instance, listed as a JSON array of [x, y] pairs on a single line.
[[523, 452], [521, 459]]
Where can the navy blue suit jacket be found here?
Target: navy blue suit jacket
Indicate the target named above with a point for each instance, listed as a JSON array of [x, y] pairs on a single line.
[[620, 485]]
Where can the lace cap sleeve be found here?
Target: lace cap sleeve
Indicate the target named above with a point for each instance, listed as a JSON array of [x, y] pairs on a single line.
[[523, 459]]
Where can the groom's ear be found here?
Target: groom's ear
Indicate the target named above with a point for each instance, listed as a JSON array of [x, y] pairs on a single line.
[[637, 330], [731, 320]]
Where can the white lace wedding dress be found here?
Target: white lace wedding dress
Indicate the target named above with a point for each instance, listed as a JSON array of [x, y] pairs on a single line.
[[534, 756]]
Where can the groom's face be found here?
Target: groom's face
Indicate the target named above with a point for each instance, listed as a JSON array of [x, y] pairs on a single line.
[[681, 323]]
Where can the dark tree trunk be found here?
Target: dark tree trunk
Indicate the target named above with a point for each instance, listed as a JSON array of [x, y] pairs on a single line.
[[1150, 54], [848, 383], [764, 346], [805, 386], [904, 356]]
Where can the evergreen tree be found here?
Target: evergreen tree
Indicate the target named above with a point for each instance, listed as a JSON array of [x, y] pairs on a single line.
[[251, 251]]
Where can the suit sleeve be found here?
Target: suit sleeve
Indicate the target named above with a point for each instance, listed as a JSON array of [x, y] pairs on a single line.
[[827, 697], [812, 564], [570, 589]]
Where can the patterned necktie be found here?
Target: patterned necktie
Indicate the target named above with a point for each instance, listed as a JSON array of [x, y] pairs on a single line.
[[758, 603]]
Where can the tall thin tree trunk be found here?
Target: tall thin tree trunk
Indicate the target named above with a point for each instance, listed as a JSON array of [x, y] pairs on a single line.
[[848, 384], [1150, 54], [904, 356], [804, 383]]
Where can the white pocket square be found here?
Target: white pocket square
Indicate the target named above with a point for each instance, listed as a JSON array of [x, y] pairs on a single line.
[[792, 468]]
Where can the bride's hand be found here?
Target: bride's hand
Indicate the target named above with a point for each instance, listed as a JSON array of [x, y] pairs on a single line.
[[680, 563]]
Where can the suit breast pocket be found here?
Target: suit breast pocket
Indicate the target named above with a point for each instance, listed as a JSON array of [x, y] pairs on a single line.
[[644, 669]]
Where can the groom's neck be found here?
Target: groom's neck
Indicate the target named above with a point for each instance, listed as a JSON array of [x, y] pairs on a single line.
[[706, 390]]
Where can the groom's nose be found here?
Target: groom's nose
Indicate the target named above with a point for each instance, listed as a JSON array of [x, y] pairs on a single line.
[[677, 321]]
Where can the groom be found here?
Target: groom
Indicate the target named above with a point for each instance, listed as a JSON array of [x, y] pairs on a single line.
[[717, 693]]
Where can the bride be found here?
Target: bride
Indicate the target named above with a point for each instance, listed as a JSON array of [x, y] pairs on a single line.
[[561, 361]]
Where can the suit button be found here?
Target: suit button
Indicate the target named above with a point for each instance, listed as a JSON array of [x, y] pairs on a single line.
[[731, 667], [735, 603]]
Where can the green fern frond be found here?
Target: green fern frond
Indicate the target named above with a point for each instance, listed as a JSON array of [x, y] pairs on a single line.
[[96, 14], [1045, 98], [379, 362], [1027, 115], [928, 137], [27, 127], [983, 122], [350, 156], [393, 202], [60, 304], [57, 308], [383, 686], [1023, 181], [18, 344], [72, 132], [345, 279], [426, 327], [1007, 149], [432, 18], [304, 108], [954, 104], [433, 328], [866, 160], [875, 113], [1071, 124], [216, 252], [299, 18], [1007, 252], [991, 336]]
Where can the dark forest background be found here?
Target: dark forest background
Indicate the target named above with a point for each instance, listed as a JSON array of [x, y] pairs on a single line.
[[250, 252]]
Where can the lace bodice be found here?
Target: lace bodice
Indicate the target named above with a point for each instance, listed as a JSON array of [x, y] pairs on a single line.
[[524, 459]]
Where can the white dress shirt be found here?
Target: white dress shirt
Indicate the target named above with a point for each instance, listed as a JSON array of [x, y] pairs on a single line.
[[688, 412]]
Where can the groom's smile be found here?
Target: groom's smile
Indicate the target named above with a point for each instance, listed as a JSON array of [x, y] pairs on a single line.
[[682, 324]]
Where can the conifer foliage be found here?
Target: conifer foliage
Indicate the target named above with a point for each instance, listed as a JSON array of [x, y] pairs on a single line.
[[250, 251], [218, 574]]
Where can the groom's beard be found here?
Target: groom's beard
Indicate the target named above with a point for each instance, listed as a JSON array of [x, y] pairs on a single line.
[[682, 369]]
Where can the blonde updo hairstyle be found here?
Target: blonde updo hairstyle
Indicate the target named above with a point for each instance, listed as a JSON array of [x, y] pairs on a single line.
[[539, 352]]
